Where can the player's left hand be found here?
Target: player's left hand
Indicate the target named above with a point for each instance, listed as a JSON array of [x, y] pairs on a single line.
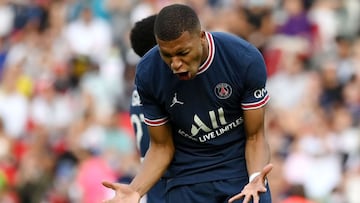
[[252, 189]]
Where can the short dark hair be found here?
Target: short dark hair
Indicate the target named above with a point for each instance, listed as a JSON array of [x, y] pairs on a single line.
[[175, 19], [142, 36]]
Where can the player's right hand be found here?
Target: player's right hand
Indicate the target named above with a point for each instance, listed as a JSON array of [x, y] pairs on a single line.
[[123, 193]]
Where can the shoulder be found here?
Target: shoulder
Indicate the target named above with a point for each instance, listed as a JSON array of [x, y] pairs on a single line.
[[234, 48], [151, 68], [151, 56], [234, 44], [149, 61], [229, 39]]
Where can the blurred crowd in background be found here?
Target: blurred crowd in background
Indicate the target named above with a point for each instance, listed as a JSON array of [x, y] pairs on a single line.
[[66, 75]]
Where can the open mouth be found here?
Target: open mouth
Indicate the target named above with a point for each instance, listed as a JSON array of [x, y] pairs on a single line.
[[183, 75]]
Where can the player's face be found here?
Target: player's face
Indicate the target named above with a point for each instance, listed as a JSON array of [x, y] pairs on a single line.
[[185, 54]]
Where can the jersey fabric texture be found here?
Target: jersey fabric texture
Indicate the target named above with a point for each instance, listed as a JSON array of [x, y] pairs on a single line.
[[206, 113]]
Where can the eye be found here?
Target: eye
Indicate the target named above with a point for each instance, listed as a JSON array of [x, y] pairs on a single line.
[[165, 55], [183, 53]]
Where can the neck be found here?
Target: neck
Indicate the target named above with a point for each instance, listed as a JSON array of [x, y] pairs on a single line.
[[205, 49]]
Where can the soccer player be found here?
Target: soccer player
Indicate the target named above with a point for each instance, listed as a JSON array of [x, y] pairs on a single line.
[[203, 96], [142, 39]]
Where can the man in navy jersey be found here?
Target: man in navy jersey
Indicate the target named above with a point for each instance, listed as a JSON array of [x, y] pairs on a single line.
[[142, 39], [203, 97]]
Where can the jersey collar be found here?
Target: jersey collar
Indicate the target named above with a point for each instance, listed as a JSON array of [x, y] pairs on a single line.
[[211, 54]]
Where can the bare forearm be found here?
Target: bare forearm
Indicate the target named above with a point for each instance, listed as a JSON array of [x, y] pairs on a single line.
[[156, 161], [257, 153]]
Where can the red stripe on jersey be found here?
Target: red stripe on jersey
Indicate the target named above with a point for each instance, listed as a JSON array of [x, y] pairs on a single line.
[[156, 122], [211, 55], [256, 105]]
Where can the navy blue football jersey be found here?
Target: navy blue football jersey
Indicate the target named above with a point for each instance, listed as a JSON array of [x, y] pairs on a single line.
[[206, 113]]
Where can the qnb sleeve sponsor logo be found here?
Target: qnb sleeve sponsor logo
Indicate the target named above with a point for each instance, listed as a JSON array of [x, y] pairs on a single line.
[[260, 93]]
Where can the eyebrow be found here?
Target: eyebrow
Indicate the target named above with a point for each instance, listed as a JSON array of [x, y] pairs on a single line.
[[164, 53]]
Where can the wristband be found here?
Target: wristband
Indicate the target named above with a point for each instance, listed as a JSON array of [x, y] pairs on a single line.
[[253, 176]]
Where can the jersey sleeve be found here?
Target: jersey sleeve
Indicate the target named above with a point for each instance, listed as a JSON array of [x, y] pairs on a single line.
[[255, 94], [154, 114]]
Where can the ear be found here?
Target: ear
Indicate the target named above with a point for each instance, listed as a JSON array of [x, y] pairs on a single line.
[[202, 34], [203, 37]]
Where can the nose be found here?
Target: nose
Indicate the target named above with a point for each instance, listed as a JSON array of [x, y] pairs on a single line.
[[175, 64]]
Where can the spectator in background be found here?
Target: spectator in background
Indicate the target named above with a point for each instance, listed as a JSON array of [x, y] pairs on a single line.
[[89, 35], [14, 105], [296, 195], [296, 21]]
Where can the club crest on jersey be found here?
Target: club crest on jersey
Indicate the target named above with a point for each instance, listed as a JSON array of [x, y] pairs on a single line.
[[223, 90]]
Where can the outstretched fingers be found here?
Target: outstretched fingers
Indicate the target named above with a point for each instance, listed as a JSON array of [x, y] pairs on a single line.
[[252, 189], [247, 198], [236, 197]]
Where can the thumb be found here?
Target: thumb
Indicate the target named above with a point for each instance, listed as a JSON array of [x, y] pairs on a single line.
[[109, 185], [266, 170]]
